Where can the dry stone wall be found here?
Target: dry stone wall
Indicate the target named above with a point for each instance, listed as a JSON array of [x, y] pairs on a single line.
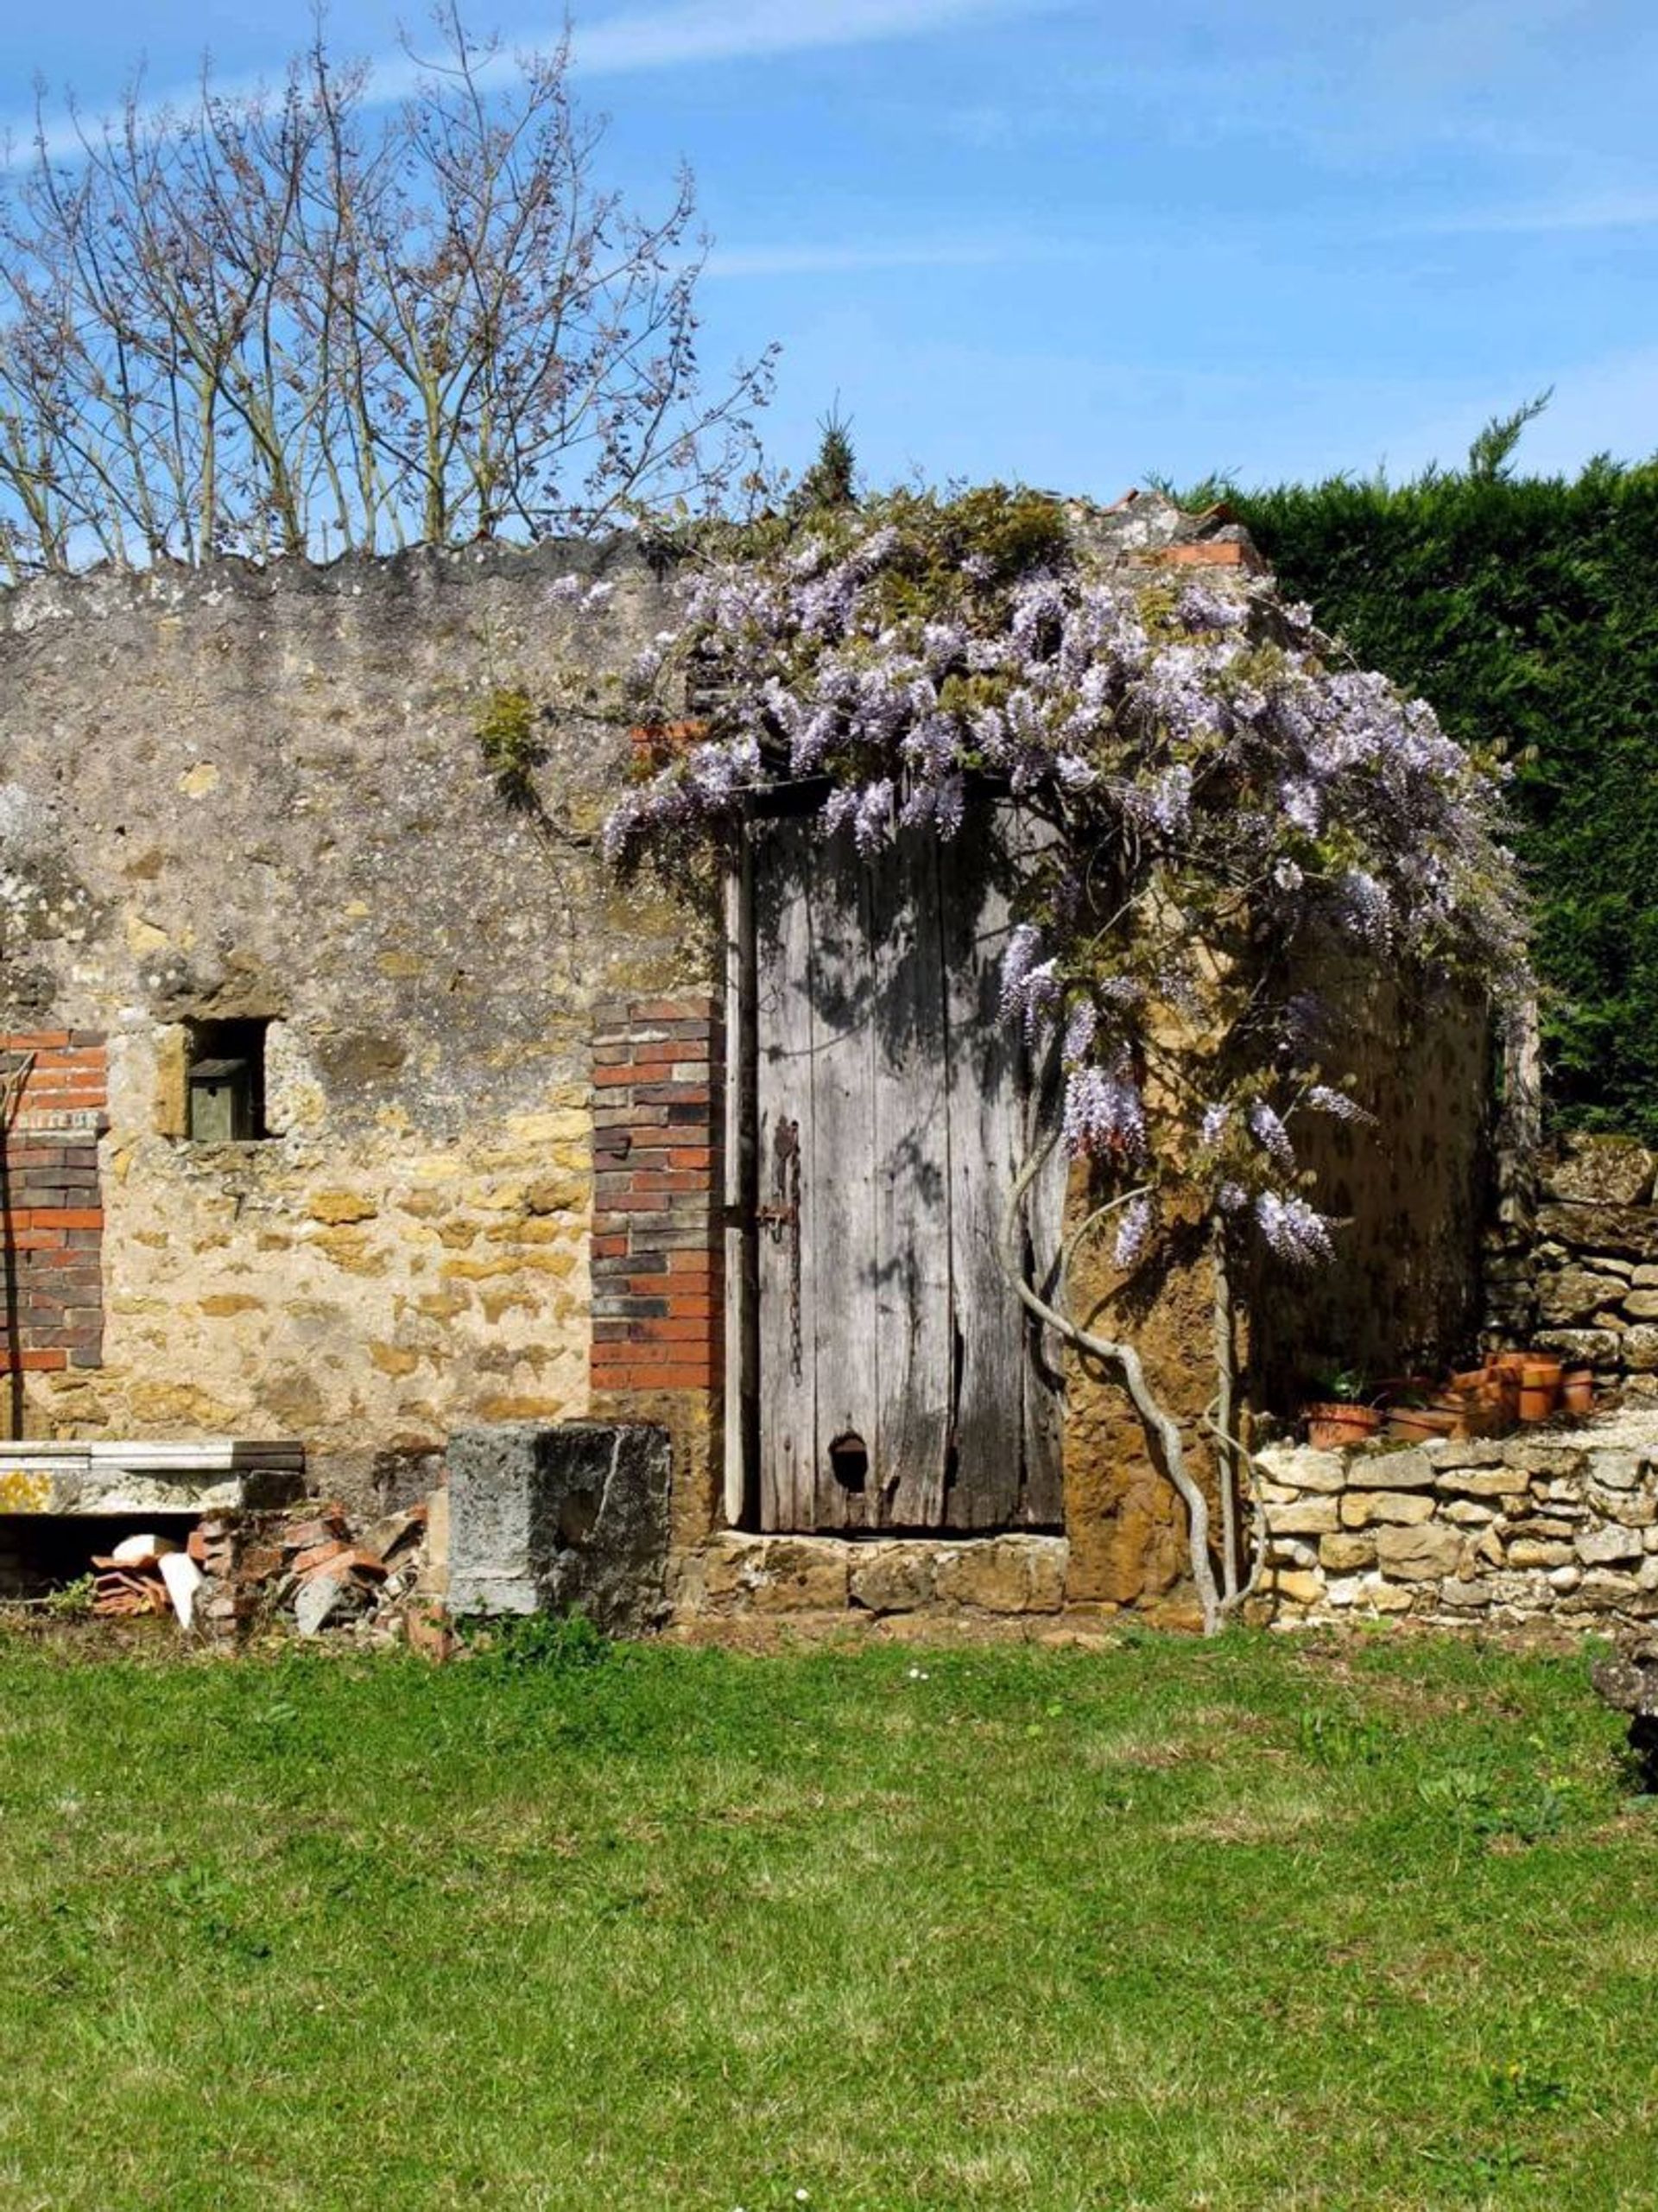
[[1579, 1275], [1561, 1524]]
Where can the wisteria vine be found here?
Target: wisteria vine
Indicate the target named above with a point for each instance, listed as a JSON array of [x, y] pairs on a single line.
[[1232, 811]]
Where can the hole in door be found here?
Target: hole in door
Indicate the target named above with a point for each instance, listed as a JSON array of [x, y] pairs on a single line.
[[849, 1461]]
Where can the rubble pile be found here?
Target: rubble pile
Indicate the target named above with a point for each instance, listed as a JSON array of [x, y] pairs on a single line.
[[311, 1567], [145, 1573]]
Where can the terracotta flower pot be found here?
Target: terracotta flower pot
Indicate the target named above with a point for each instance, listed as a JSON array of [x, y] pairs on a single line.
[[1422, 1424], [1539, 1389], [1338, 1427], [1577, 1389]]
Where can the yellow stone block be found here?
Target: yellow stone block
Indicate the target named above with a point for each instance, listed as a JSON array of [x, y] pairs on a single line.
[[565, 1193], [221, 1304], [393, 1358], [521, 1409], [350, 1249], [336, 1207], [145, 936]]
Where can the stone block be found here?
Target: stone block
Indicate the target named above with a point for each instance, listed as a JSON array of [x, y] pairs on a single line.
[[801, 1575], [1459, 1451], [1577, 1294], [560, 1517], [1467, 1597], [1541, 1528], [1470, 1512], [1009, 1574], [1630, 1232], [1298, 1467], [1638, 1348], [1594, 1170], [1409, 1511], [1407, 1469], [776, 1574], [1602, 1547], [1635, 1509], [1611, 1591], [1614, 1470], [1308, 1516], [1552, 1461], [1299, 1586], [893, 1577], [1583, 1347], [1535, 1551], [1347, 1554], [1642, 1304], [1485, 1481], [1564, 1579], [1291, 1552], [1418, 1555]]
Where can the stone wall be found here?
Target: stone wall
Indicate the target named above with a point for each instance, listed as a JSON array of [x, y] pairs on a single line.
[[488, 1186], [1579, 1276], [1409, 1191], [259, 796], [1558, 1523]]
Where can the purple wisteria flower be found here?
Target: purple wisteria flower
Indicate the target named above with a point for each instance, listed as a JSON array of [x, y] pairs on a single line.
[[1200, 772], [1269, 1133], [1134, 1230], [1322, 1100], [1104, 1113], [1292, 1228]]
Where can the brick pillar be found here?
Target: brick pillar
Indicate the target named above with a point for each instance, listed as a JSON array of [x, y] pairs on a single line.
[[53, 1313], [658, 1296]]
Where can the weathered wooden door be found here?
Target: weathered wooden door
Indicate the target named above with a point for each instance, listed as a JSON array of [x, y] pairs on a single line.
[[899, 1384]]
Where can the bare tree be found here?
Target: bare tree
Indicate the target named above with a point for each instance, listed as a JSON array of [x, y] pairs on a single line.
[[284, 322]]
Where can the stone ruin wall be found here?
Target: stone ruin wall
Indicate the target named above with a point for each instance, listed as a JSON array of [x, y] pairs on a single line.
[[490, 1191], [1578, 1274], [237, 794]]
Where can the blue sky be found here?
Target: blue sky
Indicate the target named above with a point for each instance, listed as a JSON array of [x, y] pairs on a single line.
[[1072, 242]]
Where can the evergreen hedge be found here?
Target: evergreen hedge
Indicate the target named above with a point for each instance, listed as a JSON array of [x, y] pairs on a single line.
[[1526, 609]]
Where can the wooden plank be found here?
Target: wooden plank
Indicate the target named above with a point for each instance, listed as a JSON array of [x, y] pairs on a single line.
[[741, 1400], [786, 1427], [912, 1338], [986, 1129], [1043, 1501], [839, 1254]]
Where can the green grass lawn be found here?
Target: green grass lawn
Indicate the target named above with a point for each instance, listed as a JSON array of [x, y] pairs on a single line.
[[1249, 1923]]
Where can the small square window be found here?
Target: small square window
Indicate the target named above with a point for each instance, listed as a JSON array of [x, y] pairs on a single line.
[[226, 1076]]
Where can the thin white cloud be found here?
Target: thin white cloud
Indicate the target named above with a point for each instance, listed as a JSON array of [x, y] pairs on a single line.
[[1632, 211], [693, 32], [742, 30]]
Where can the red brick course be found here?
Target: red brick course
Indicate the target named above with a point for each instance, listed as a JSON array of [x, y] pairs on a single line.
[[658, 1310], [53, 1313]]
